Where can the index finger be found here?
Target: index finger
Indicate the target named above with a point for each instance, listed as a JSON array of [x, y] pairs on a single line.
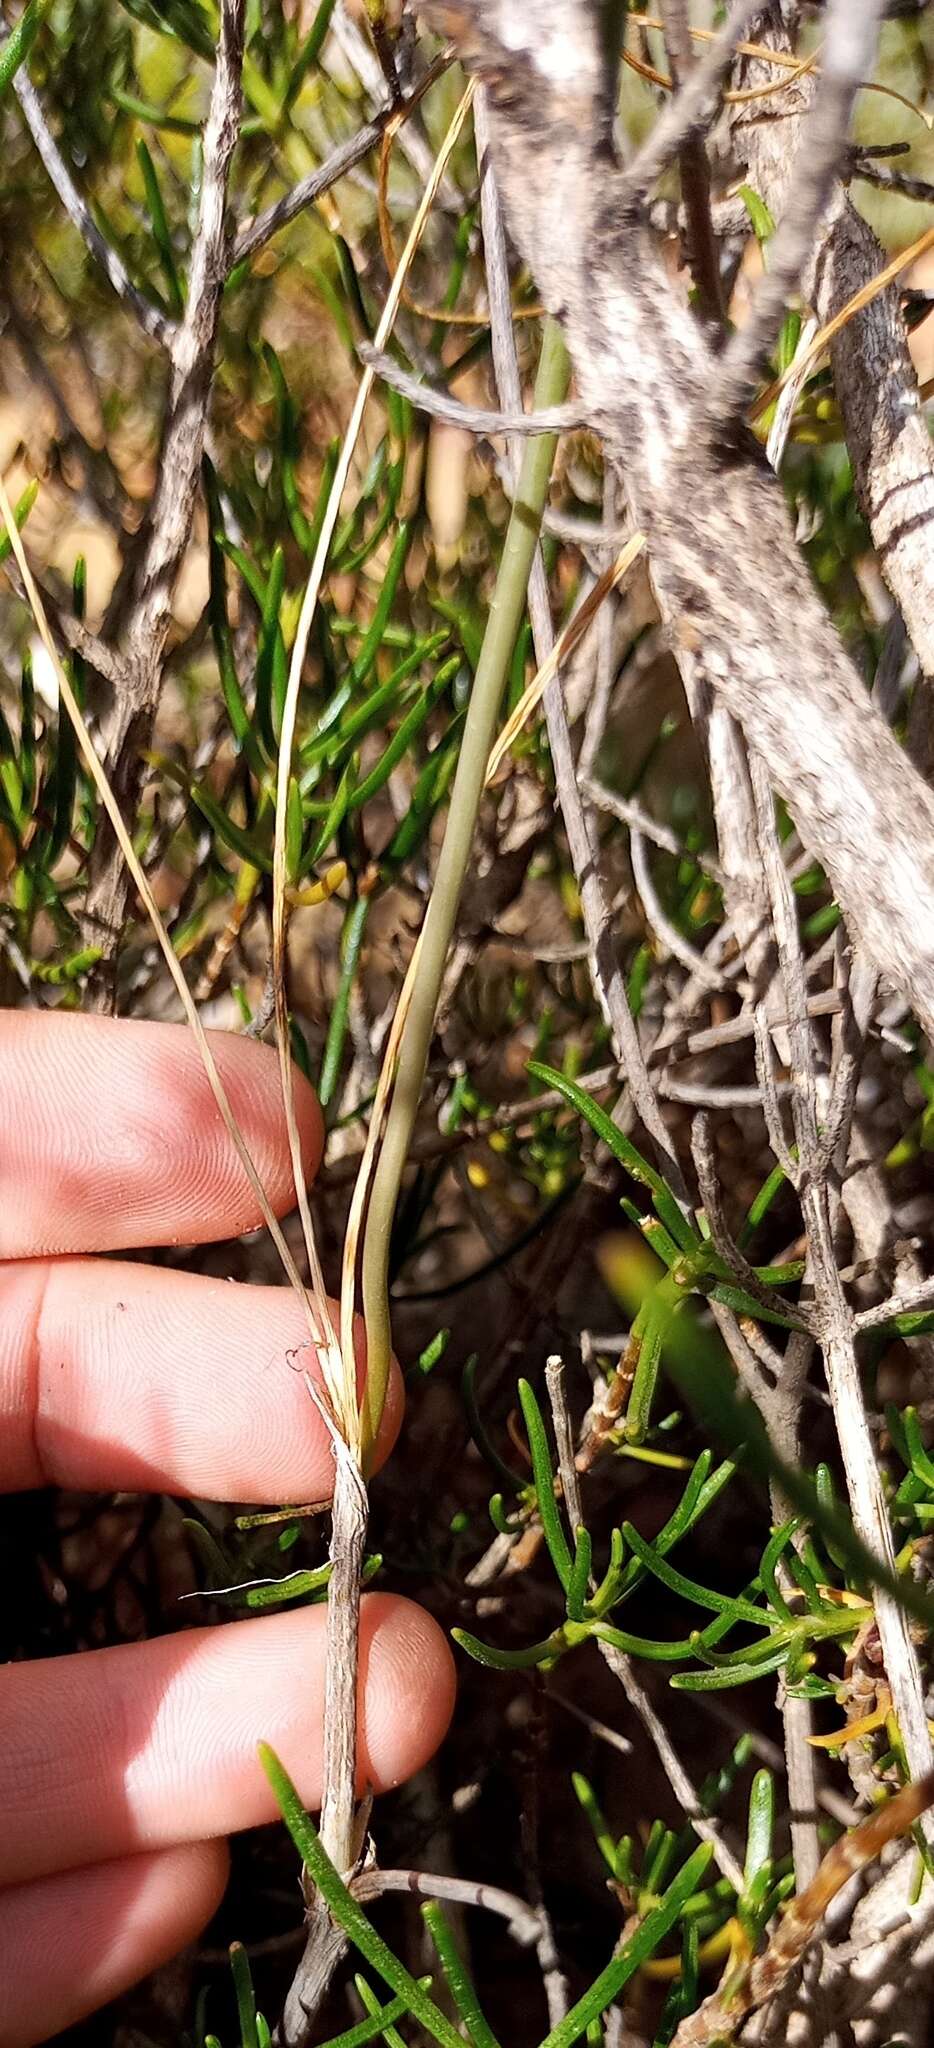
[[110, 1136]]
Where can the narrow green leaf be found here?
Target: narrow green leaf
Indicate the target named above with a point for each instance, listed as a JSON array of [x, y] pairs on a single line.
[[458, 1979], [723, 1676], [600, 1827], [346, 1910], [660, 1854], [17, 45], [622, 1149], [760, 1826], [287, 431], [246, 2001], [21, 512], [777, 1544], [294, 830], [240, 721], [351, 946], [427, 797], [478, 1429], [334, 733], [373, 638], [27, 736], [270, 642], [161, 232], [545, 1484], [701, 1596], [763, 226], [333, 818], [509, 1660], [370, 2002], [155, 117], [310, 50], [641, 1944], [405, 733], [660, 1652], [761, 1204], [580, 1576], [233, 835]]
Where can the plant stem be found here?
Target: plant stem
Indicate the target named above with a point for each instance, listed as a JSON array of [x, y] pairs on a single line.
[[503, 624]]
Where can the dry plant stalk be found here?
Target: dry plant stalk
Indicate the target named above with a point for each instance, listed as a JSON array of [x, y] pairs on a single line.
[[576, 626], [757, 1982], [825, 335], [573, 633], [341, 1371]]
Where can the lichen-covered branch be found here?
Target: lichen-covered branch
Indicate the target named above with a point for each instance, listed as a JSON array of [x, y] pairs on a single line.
[[147, 607], [742, 615]]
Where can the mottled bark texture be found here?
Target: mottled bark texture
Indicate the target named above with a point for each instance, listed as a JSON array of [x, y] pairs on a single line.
[[743, 617], [147, 604], [886, 432]]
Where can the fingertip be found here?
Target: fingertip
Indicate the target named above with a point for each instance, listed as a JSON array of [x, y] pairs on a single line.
[[252, 1077], [199, 1883], [112, 1136], [409, 1685], [71, 1942]]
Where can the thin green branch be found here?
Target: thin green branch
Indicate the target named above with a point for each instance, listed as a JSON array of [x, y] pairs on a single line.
[[505, 618]]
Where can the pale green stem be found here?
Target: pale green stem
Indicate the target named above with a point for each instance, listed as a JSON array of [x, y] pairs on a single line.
[[503, 623]]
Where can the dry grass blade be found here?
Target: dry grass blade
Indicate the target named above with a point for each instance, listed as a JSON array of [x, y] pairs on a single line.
[[825, 335], [444, 316], [792, 66], [573, 632], [340, 1365], [735, 98], [99, 778]]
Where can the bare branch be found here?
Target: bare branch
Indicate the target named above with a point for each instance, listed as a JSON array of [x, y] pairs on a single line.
[[152, 320], [552, 419], [661, 924], [848, 53], [254, 234], [567, 1470], [920, 1296], [685, 1793], [692, 110], [150, 595], [521, 1918], [886, 431], [833, 1320], [631, 813], [702, 1151], [901, 182]]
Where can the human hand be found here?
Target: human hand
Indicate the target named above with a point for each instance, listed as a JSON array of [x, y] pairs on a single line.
[[121, 1770]]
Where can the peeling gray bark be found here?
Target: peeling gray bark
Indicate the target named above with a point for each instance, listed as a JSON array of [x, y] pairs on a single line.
[[742, 615], [886, 431]]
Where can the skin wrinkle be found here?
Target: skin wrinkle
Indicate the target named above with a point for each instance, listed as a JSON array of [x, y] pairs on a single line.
[[162, 1156], [154, 1743], [128, 1375]]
